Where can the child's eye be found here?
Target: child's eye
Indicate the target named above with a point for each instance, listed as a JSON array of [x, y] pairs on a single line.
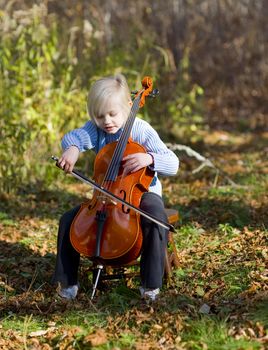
[[112, 114], [99, 116]]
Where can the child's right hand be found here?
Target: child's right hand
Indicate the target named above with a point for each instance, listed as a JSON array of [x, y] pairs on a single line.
[[68, 159]]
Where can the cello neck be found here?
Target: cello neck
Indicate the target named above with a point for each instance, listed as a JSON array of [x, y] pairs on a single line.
[[115, 163]]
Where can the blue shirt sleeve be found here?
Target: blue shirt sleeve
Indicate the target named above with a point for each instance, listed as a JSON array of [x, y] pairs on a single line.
[[165, 161], [83, 138]]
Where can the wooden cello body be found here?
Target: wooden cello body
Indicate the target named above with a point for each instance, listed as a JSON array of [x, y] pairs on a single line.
[[120, 236]]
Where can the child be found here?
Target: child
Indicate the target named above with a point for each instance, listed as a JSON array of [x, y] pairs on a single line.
[[109, 104]]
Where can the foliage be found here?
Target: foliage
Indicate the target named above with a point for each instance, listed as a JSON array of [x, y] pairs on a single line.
[[38, 97], [50, 54], [186, 109], [226, 41], [44, 82]]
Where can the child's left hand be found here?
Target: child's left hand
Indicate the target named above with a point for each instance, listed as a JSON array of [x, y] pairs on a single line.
[[136, 161]]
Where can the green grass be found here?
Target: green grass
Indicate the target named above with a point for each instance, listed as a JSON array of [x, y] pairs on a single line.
[[86, 320], [212, 334], [204, 332], [119, 298], [227, 191], [23, 324], [259, 312], [187, 235], [6, 220], [236, 280]]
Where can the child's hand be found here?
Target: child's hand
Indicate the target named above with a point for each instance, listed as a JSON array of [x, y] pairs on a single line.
[[136, 161], [68, 159]]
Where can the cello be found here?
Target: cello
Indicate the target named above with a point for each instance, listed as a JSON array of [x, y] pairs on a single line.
[[107, 227]]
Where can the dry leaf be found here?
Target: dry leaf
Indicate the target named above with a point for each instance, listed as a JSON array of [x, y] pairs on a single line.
[[99, 337]]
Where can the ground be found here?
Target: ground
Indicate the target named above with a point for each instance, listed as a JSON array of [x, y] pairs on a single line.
[[218, 297]]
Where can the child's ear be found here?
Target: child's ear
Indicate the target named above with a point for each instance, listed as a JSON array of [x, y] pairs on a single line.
[[130, 102]]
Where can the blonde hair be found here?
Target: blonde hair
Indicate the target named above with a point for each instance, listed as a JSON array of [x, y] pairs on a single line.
[[105, 88]]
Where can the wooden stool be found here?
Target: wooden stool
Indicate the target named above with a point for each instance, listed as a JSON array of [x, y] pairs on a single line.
[[171, 257]]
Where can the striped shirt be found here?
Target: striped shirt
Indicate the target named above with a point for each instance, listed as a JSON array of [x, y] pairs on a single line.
[[91, 137]]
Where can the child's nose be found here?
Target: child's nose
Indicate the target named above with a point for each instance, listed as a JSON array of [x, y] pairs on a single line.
[[106, 119]]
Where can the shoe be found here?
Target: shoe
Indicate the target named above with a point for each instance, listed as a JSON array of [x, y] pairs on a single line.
[[149, 294], [69, 292]]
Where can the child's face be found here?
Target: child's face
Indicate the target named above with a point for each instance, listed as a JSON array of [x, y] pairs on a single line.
[[112, 116]]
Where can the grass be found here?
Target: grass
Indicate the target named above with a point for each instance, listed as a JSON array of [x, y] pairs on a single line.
[[86, 320], [217, 299], [259, 312], [212, 333], [6, 220], [21, 324]]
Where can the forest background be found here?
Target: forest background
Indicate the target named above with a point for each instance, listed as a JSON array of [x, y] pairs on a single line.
[[209, 59]]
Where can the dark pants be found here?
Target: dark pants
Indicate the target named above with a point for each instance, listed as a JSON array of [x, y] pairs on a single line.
[[152, 262]]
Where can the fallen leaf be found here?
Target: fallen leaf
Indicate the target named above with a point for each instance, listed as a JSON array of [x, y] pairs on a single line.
[[99, 337]]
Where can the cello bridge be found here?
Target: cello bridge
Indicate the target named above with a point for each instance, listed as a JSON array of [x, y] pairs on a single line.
[[106, 200]]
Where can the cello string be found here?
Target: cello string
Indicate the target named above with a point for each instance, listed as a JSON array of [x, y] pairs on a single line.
[[122, 143], [108, 175], [121, 146], [111, 173], [114, 165], [113, 169]]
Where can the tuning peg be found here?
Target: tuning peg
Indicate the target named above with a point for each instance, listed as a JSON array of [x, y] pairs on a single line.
[[154, 93]]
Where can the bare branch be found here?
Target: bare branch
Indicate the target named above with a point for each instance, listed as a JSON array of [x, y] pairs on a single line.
[[204, 161]]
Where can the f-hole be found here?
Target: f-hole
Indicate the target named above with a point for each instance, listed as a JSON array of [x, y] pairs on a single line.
[[124, 210]]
